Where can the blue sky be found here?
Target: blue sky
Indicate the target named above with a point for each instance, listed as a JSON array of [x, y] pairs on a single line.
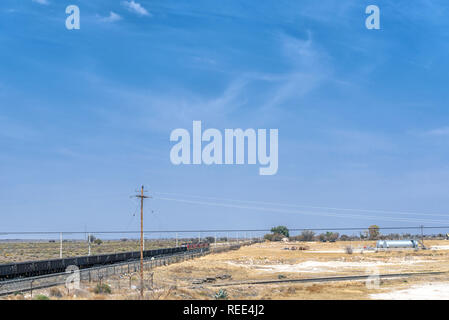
[[86, 115]]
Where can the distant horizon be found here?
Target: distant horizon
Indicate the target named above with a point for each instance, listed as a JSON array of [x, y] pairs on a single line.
[[185, 234]]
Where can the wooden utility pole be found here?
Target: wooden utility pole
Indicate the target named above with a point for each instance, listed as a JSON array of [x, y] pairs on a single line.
[[422, 235], [60, 245], [142, 197], [88, 242]]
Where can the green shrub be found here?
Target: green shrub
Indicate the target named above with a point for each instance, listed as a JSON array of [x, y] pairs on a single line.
[[283, 230], [41, 297], [103, 288], [221, 295], [273, 237]]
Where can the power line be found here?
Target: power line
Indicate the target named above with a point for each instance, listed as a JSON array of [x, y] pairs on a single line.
[[377, 218], [132, 217], [309, 206]]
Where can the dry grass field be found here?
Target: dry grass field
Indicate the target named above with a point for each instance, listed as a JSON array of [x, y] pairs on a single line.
[[40, 250], [204, 277]]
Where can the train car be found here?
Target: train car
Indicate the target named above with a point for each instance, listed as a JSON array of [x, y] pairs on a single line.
[[149, 253], [121, 256], [195, 246], [6, 269], [128, 256], [56, 264], [41, 266], [181, 249], [22, 268], [69, 262]]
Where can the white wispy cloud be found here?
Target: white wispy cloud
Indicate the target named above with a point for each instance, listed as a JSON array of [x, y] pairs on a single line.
[[310, 68], [135, 8], [443, 131], [113, 17], [44, 2], [156, 111]]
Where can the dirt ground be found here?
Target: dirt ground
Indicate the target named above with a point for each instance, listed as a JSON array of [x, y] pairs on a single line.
[[204, 277]]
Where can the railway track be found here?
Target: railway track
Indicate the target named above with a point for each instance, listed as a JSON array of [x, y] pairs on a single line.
[[329, 279]]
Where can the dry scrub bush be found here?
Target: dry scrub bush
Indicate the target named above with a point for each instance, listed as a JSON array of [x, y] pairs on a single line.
[[314, 288], [54, 292], [102, 288]]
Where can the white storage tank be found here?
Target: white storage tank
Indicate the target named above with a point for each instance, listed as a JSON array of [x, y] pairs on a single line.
[[397, 244]]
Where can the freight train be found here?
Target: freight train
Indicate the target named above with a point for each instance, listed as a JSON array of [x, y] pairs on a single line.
[[41, 267]]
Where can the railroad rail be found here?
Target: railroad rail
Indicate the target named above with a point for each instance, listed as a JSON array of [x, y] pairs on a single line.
[[327, 279]]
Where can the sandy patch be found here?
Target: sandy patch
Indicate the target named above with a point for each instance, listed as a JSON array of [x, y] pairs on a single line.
[[439, 248], [354, 250], [437, 291], [326, 266]]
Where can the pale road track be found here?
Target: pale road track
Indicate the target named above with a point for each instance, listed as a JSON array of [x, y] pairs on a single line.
[[329, 279]]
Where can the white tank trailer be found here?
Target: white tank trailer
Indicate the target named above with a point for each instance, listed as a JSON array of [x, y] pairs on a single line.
[[397, 244]]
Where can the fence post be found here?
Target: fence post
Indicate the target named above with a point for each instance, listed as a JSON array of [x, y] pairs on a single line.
[[31, 288], [88, 244], [60, 245]]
